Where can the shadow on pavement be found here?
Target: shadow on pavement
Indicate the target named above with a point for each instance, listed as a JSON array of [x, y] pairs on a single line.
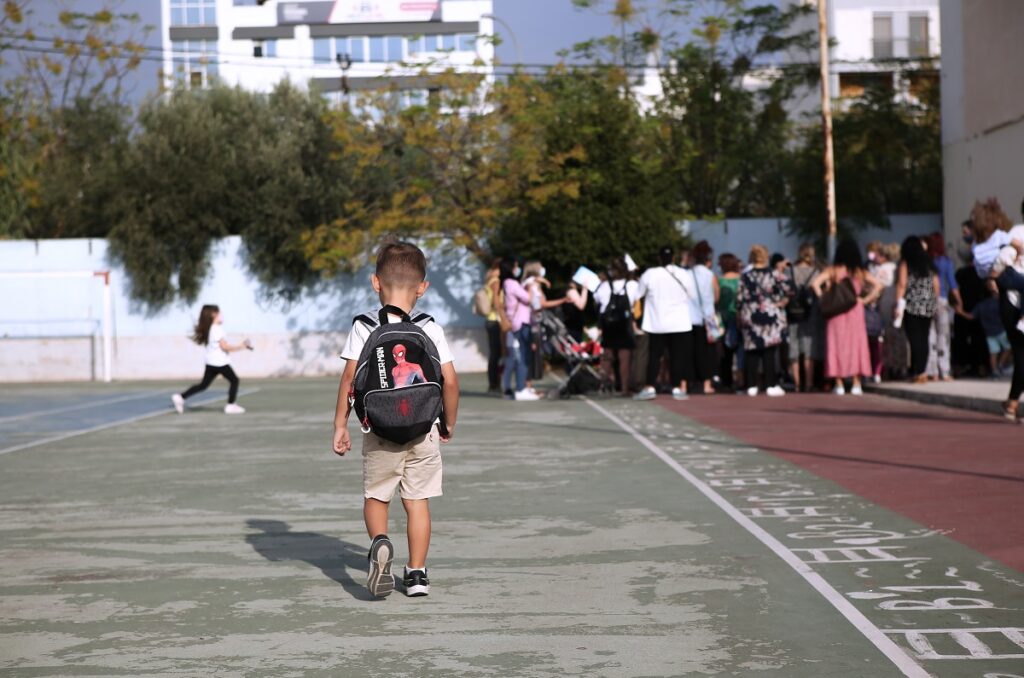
[[276, 542]]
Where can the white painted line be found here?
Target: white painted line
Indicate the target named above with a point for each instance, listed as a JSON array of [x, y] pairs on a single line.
[[891, 650], [111, 424], [82, 406]]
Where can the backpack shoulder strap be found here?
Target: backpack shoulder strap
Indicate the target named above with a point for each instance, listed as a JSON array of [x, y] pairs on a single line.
[[422, 319], [367, 320]]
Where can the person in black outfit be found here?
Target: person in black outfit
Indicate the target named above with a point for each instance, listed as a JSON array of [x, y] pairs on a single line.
[[574, 310]]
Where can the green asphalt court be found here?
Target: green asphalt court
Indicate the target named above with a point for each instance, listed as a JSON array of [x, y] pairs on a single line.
[[583, 537]]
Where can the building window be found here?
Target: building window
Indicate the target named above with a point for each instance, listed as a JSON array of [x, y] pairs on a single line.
[[414, 45], [264, 48], [396, 45], [882, 47], [195, 62], [357, 49], [467, 42], [918, 46], [193, 13], [448, 42], [322, 52], [326, 50], [377, 47]]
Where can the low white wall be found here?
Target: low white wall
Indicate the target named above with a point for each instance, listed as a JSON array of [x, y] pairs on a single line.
[[298, 354], [737, 235], [50, 328]]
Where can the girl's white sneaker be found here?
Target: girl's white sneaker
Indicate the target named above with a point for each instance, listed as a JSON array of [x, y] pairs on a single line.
[[233, 408], [752, 391], [775, 391], [839, 390], [856, 390], [179, 403]]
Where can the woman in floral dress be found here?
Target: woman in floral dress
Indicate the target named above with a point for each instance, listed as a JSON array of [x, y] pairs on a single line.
[[761, 310]]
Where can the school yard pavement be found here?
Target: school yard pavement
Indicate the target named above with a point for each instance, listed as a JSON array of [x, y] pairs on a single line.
[[720, 536]]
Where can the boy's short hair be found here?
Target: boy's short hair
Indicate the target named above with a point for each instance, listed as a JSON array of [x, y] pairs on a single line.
[[401, 264]]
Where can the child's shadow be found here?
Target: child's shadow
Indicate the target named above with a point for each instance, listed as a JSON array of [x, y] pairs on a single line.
[[276, 542]]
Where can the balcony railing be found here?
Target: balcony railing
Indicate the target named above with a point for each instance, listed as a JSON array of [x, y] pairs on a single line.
[[903, 48]]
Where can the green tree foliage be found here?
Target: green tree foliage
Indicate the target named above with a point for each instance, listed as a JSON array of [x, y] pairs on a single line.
[[455, 166], [62, 116], [210, 163], [888, 157], [625, 201], [724, 110]]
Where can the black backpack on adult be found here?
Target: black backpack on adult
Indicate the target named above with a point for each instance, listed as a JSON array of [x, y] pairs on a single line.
[[399, 412], [618, 314], [799, 307]]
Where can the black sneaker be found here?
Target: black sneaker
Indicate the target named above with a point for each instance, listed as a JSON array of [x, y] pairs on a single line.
[[416, 583], [380, 581]]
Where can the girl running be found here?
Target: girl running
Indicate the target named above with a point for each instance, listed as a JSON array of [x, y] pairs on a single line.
[[209, 333]]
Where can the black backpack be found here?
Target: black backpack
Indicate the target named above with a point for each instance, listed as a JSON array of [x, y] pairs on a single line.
[[617, 314], [799, 307], [397, 388]]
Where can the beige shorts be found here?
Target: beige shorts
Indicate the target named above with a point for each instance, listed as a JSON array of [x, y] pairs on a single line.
[[413, 468]]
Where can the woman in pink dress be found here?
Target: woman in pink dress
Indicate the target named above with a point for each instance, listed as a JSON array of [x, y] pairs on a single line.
[[846, 336]]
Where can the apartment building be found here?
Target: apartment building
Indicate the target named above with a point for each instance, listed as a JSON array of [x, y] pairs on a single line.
[[336, 46]]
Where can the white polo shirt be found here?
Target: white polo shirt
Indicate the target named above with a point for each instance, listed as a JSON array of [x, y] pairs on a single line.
[[666, 291]]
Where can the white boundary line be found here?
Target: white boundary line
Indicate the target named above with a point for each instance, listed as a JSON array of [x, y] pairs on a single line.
[[80, 406], [110, 424], [891, 650]]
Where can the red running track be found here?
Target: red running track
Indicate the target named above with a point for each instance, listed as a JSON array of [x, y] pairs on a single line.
[[947, 469]]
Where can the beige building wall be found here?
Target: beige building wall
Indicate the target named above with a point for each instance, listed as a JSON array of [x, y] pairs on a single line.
[[982, 107]]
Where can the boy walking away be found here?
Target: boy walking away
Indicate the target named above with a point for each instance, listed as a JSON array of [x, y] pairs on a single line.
[[400, 379]]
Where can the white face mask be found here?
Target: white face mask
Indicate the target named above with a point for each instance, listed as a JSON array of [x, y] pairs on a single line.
[[516, 271], [543, 272]]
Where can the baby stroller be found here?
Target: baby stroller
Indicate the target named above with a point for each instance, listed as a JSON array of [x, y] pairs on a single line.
[[580, 359]]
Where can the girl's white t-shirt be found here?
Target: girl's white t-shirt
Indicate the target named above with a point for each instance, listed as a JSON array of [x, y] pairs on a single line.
[[215, 355]]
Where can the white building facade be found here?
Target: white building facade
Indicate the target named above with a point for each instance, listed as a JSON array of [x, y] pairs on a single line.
[[878, 39], [256, 44]]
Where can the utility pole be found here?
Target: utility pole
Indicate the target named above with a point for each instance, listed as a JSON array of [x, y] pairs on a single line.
[[826, 125]]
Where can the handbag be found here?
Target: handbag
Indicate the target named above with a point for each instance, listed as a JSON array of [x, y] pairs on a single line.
[[713, 323], [839, 298]]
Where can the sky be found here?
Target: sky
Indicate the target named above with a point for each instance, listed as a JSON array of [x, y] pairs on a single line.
[[541, 28]]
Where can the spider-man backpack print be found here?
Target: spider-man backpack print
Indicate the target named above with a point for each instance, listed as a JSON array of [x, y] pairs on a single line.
[[396, 392]]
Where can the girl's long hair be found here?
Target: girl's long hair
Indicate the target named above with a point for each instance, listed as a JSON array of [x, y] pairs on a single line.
[[848, 255], [201, 332], [918, 262]]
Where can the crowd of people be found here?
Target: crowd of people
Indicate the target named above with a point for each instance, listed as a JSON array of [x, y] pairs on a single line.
[[768, 325]]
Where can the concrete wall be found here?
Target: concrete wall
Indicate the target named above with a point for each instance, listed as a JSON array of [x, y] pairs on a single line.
[[49, 329], [737, 235], [982, 107]]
